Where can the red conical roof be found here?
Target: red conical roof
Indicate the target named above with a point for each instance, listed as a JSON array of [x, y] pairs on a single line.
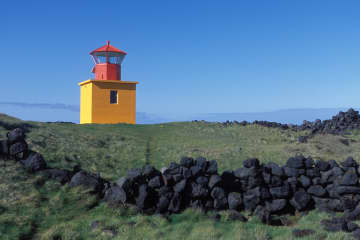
[[108, 48]]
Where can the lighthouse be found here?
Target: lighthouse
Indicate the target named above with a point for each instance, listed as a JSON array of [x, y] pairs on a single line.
[[107, 98]]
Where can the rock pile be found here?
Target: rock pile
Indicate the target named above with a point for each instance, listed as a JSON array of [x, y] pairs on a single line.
[[337, 125], [265, 190]]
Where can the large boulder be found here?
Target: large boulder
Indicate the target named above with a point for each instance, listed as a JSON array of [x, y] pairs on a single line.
[[179, 187], [16, 135], [88, 180], [115, 195], [300, 200], [214, 181], [34, 162], [18, 147], [235, 200]]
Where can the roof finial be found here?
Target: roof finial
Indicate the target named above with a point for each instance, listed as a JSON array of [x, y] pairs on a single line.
[[108, 42]]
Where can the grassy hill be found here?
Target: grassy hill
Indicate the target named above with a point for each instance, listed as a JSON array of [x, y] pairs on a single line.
[[31, 208]]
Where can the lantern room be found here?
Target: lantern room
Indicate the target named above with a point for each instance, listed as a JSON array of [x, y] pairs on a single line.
[[107, 61]]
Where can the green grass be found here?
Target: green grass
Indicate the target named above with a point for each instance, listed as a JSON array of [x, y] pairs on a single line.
[[32, 210]]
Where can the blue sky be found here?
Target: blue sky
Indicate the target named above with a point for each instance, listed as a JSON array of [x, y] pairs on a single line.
[[189, 56]]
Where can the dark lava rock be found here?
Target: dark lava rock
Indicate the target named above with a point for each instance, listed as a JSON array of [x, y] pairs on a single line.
[[276, 205], [186, 173], [115, 195], [218, 193], [179, 187], [251, 162], [34, 162], [155, 182], [291, 172], [349, 162], [275, 182], [299, 233], [18, 147], [134, 175], [61, 175], [177, 177], [86, 179], [300, 200], [322, 165], [313, 172], [212, 167], [175, 203], [245, 173], [195, 170], [16, 135], [251, 199], [150, 172], [305, 181], [220, 203], [187, 162], [235, 200], [202, 180], [275, 169], [142, 197], [347, 190], [309, 162], [317, 190], [202, 163], [163, 204], [236, 216], [296, 162], [350, 178], [316, 181], [280, 192], [198, 191], [214, 181], [333, 163], [125, 184]]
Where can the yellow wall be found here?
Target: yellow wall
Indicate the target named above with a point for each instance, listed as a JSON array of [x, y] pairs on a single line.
[[86, 103], [95, 105]]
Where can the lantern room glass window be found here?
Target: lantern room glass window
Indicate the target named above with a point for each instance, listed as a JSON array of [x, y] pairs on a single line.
[[108, 57], [113, 97]]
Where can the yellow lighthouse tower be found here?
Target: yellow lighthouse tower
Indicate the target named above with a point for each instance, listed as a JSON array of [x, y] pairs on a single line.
[[107, 99]]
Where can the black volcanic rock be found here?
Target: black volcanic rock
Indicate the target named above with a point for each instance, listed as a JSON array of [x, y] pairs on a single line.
[[235, 200], [34, 162], [300, 200]]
